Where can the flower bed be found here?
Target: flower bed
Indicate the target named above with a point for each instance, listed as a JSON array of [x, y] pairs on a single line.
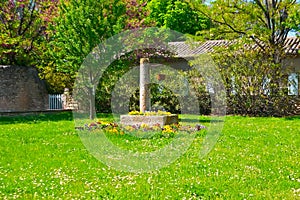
[[141, 130]]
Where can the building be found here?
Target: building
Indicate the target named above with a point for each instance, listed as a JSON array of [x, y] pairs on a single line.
[[292, 48]]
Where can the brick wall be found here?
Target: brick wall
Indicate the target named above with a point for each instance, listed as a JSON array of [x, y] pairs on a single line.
[[21, 89]]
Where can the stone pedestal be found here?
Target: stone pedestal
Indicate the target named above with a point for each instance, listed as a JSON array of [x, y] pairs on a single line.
[[149, 120]]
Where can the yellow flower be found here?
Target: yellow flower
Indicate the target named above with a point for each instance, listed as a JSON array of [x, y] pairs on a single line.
[[150, 113], [129, 128], [144, 126], [159, 112], [135, 112], [115, 131], [167, 129]]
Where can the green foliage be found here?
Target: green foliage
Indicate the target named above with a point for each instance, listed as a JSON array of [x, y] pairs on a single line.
[[108, 81], [80, 27], [158, 9], [137, 14], [294, 22], [161, 98], [198, 86], [24, 27], [254, 84], [164, 98], [56, 81], [263, 21], [259, 31], [177, 15]]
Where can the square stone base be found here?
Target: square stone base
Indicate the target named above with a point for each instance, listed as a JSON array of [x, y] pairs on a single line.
[[149, 120]]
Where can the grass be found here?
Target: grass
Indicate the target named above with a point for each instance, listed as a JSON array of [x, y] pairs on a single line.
[[254, 158]]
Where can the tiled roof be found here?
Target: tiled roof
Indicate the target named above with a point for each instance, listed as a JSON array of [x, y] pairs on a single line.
[[292, 45], [184, 49]]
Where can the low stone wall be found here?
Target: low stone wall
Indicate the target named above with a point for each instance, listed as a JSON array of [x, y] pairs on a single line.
[[162, 120], [21, 90]]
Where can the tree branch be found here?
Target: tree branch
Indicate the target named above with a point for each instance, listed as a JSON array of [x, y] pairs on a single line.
[[230, 26], [31, 19], [21, 22]]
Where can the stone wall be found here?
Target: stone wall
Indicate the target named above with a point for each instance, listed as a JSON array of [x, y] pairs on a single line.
[[150, 120], [21, 90]]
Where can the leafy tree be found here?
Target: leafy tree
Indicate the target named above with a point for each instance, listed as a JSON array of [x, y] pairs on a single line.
[[177, 15], [56, 81], [136, 14], [24, 30], [295, 20], [259, 29], [266, 23], [80, 27], [98, 23]]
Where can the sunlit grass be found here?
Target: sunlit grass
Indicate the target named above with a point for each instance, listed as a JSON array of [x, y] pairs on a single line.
[[254, 158]]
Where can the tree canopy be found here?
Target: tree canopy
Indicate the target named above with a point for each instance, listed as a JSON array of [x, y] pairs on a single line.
[[177, 15], [266, 22], [24, 30], [80, 26], [252, 67]]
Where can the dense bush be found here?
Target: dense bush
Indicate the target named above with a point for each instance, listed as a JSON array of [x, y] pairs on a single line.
[[255, 84]]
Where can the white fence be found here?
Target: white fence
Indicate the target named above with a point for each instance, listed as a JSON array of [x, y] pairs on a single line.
[[55, 101]]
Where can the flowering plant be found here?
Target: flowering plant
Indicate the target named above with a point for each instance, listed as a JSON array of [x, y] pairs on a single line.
[[135, 112], [143, 129], [149, 113]]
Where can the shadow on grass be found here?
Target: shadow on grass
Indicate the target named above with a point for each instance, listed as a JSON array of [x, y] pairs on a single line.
[[35, 118], [297, 117], [200, 120]]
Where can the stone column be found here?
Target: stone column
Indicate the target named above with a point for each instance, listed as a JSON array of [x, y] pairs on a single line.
[[144, 85], [66, 98]]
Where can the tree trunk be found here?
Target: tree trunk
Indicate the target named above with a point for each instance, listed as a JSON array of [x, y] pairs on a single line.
[[92, 110], [91, 94]]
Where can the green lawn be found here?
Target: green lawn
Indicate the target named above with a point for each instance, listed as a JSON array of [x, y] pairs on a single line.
[[254, 158]]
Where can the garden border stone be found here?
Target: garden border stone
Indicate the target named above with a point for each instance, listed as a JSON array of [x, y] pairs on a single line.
[[150, 120]]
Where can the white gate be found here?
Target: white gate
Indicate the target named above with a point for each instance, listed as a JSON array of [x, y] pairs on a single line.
[[55, 101]]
